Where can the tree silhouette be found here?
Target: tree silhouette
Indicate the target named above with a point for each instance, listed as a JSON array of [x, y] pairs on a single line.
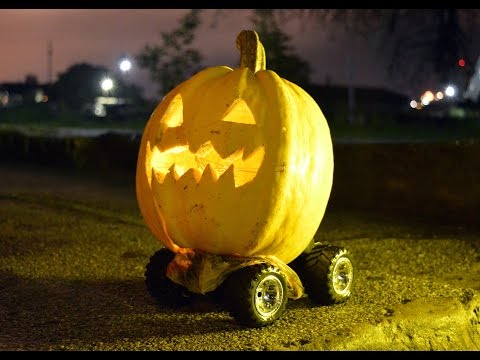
[[31, 80], [174, 60], [280, 55], [80, 85], [419, 43]]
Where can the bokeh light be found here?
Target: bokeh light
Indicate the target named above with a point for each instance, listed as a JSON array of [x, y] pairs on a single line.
[[125, 65], [450, 91], [429, 96], [107, 84]]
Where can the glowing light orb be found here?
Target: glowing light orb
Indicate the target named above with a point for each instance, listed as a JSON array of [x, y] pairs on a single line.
[[107, 84], [125, 65]]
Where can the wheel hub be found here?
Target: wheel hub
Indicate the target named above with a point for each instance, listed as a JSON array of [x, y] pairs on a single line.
[[343, 276], [269, 296]]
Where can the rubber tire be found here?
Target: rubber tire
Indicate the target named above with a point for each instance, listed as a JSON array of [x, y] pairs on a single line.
[[297, 264], [320, 270], [161, 288], [244, 292]]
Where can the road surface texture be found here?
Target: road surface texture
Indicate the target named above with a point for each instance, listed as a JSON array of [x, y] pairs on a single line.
[[74, 248]]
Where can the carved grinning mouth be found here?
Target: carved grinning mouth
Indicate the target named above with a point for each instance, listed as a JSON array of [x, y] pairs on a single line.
[[182, 147], [178, 160]]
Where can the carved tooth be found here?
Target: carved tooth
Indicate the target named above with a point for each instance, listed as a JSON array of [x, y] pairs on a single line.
[[174, 171], [171, 176], [246, 170], [227, 179], [158, 176], [209, 176], [189, 179], [160, 162], [207, 192], [197, 174], [163, 190]]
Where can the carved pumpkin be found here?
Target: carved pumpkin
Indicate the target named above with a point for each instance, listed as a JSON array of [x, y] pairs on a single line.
[[236, 162]]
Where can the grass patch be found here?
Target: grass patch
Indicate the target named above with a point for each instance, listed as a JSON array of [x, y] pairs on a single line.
[[42, 119], [431, 130]]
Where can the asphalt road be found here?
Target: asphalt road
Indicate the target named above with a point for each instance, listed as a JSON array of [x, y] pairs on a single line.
[[73, 250]]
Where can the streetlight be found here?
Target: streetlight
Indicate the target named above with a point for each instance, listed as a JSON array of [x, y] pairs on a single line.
[[125, 65], [106, 84]]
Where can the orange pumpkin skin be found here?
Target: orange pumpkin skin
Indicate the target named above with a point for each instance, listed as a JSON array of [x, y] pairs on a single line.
[[233, 162]]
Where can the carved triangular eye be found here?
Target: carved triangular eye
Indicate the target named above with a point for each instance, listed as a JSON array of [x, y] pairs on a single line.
[[239, 112], [174, 112]]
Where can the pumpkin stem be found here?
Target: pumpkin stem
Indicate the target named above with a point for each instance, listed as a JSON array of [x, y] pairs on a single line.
[[252, 53]]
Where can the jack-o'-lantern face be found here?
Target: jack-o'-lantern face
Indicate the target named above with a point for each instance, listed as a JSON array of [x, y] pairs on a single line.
[[196, 141], [235, 161]]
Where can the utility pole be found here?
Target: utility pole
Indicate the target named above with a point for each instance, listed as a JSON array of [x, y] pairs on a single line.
[[49, 61]]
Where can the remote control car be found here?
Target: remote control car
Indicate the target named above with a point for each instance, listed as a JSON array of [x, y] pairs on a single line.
[[255, 290]]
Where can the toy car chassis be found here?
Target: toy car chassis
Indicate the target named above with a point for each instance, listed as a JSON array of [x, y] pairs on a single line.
[[255, 290]]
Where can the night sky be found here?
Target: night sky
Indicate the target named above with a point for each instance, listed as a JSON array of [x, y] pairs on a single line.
[[102, 36]]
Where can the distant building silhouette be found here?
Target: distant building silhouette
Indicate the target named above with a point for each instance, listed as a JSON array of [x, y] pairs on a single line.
[[15, 94], [370, 102]]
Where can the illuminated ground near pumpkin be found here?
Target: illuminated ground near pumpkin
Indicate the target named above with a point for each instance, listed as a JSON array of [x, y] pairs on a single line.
[[73, 253]]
